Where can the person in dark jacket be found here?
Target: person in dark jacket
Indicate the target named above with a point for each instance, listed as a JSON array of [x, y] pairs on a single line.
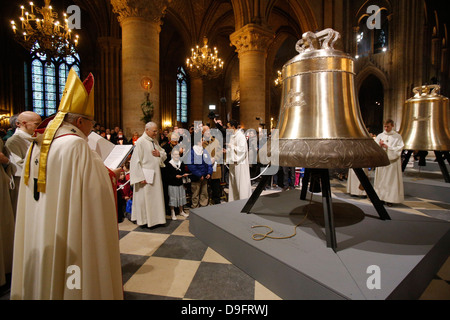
[[201, 170], [168, 148], [176, 171]]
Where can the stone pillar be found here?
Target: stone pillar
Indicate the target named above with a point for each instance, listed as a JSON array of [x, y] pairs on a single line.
[[107, 95], [197, 108], [141, 25], [251, 43], [408, 36]]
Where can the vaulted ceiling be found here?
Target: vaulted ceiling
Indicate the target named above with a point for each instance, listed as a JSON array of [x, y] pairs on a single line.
[[195, 19]]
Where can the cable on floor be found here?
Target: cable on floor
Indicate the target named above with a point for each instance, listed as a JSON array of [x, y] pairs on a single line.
[[261, 236]]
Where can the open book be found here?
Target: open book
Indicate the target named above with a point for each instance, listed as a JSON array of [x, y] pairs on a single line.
[[113, 156]]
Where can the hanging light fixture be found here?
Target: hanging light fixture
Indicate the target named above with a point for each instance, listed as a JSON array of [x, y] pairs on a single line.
[[279, 79], [204, 62], [44, 34]]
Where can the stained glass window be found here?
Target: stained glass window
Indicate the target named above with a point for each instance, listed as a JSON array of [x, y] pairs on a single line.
[[63, 73], [381, 35], [37, 86], [50, 89], [182, 96], [48, 80], [364, 39], [373, 34]]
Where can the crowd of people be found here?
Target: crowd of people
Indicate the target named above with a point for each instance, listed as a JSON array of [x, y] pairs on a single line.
[[115, 135], [57, 193], [204, 184], [174, 168]]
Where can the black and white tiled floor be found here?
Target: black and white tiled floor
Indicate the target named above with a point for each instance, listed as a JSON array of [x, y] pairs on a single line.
[[169, 263]]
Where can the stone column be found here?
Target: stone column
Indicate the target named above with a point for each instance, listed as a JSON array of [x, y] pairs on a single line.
[[197, 108], [406, 74], [141, 25], [251, 43], [107, 95]]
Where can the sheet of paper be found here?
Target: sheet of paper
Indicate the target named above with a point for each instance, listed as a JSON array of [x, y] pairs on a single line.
[[112, 155], [117, 156], [149, 175], [99, 144]]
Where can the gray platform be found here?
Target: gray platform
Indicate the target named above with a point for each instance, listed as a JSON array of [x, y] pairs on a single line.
[[408, 249], [426, 185], [430, 166]]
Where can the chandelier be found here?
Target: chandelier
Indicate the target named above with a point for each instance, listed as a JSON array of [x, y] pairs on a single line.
[[205, 63], [44, 35], [279, 79]]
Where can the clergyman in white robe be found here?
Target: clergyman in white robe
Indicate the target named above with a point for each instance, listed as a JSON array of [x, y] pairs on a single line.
[[6, 218], [148, 196], [354, 186], [388, 182], [17, 147], [66, 243], [240, 186]]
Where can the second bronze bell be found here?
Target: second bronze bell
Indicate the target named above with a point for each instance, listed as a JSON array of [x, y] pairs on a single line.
[[426, 120]]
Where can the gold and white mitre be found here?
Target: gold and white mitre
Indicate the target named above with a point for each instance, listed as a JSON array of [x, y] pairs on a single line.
[[78, 98]]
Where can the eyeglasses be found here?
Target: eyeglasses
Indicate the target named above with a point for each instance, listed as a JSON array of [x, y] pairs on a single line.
[[92, 121]]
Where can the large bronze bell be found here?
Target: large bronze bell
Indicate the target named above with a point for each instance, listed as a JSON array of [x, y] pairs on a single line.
[[425, 123], [320, 123], [425, 127]]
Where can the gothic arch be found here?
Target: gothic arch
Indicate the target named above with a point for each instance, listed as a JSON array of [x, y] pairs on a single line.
[[258, 12], [373, 95], [371, 70], [362, 11], [304, 14], [370, 38]]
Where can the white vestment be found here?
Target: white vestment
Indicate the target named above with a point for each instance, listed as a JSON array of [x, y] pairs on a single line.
[[6, 224], [240, 186], [354, 185], [148, 199], [388, 182], [16, 147], [66, 240]]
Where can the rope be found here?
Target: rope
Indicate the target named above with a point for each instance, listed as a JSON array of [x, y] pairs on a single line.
[[262, 173], [261, 236]]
